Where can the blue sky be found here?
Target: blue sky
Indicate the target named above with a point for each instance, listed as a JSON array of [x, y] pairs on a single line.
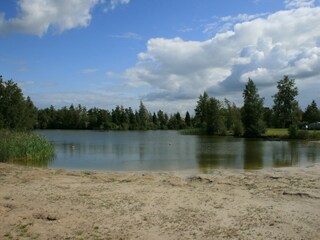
[[105, 53]]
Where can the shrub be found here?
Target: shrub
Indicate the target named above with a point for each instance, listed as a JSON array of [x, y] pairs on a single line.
[[293, 131], [25, 147], [296, 133]]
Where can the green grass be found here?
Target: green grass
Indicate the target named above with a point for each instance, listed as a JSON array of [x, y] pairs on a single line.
[[283, 133], [26, 148], [276, 133], [310, 135]]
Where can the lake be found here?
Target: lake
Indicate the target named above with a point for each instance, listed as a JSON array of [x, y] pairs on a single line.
[[171, 151]]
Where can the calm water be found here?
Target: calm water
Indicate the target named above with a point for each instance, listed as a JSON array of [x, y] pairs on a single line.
[[170, 151]]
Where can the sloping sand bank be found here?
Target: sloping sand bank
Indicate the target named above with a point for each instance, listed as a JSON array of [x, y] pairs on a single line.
[[56, 204]]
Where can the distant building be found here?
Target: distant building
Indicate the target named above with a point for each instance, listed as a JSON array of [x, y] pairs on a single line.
[[314, 126]]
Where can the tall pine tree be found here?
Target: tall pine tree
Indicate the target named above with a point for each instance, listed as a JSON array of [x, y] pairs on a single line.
[[252, 111], [286, 109], [312, 113]]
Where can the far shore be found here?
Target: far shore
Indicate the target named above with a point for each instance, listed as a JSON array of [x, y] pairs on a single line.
[[281, 203]]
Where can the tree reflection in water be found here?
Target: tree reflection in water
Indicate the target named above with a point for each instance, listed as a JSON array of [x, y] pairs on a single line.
[[252, 154]]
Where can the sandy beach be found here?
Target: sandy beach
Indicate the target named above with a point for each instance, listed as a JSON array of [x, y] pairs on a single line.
[[58, 204]]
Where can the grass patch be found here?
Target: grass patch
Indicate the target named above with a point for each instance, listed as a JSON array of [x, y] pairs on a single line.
[[25, 148], [299, 134], [276, 133], [310, 135]]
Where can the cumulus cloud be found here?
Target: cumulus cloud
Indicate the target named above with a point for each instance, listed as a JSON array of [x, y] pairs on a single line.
[[114, 3], [39, 16], [299, 3], [226, 23], [266, 48]]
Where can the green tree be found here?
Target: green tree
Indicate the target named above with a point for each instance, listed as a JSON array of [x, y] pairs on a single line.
[[155, 121], [30, 114], [72, 118], [99, 119], [209, 116], [43, 119], [176, 122], [62, 118], [172, 123], [132, 119], [16, 112], [252, 111], [104, 119], [312, 113], [52, 115], [233, 119], [83, 117], [187, 120], [214, 118], [286, 109], [268, 117], [163, 120], [118, 118], [93, 118], [143, 117], [201, 110]]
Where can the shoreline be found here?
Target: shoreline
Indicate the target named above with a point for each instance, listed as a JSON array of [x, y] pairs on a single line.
[[279, 203]]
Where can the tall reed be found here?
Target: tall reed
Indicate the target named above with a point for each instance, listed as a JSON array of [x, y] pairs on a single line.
[[27, 148]]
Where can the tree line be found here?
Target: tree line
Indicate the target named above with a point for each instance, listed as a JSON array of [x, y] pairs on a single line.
[[119, 118], [253, 118], [211, 116]]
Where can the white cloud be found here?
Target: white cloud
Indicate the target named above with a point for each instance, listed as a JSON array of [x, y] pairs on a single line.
[[185, 29], [128, 35], [299, 3], [265, 49], [40, 16], [37, 16], [260, 75], [226, 23], [89, 70], [114, 3], [107, 100], [88, 99]]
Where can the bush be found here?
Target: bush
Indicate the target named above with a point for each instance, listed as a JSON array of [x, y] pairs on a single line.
[[238, 129], [296, 133], [293, 131], [29, 148]]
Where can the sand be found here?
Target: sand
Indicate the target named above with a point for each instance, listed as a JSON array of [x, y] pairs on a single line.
[[58, 204]]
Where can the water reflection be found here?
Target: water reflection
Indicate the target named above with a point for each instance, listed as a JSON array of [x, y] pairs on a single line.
[[285, 154], [168, 150], [252, 154], [128, 151], [217, 152], [239, 153], [312, 152], [43, 163]]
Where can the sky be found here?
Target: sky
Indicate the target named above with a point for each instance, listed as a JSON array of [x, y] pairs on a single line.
[[104, 53]]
